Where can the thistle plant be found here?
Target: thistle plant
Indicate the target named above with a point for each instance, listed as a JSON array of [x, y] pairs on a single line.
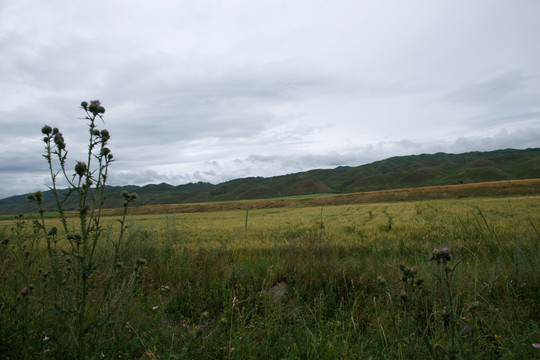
[[73, 262]]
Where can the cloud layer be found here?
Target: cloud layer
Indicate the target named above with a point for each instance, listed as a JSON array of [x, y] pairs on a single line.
[[210, 90]]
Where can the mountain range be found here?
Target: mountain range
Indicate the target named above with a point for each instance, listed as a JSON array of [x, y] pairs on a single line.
[[393, 173]]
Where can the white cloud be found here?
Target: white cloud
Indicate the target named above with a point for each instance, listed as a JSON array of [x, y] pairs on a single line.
[[212, 90]]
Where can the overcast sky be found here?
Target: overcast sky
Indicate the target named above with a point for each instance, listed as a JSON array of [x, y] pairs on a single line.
[[215, 90]]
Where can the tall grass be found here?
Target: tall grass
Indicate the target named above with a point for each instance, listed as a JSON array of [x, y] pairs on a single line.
[[313, 283]]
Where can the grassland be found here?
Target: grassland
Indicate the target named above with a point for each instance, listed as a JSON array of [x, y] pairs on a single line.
[[305, 279]]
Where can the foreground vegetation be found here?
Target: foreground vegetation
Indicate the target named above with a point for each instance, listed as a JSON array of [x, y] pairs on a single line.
[[444, 279], [350, 281]]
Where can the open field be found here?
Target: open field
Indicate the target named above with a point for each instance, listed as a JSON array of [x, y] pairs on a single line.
[[308, 280]]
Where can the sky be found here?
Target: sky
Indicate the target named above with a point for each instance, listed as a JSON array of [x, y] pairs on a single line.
[[217, 90]]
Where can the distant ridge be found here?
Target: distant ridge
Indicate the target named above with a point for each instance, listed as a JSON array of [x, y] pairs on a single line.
[[394, 173]]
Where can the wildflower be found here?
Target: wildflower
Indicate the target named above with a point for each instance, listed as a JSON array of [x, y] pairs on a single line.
[[46, 338], [96, 102], [155, 307], [46, 130], [80, 168], [403, 295], [441, 256], [105, 135], [536, 346], [466, 328], [523, 285], [381, 280], [59, 139]]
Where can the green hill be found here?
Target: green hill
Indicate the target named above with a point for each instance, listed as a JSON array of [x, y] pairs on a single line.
[[393, 173]]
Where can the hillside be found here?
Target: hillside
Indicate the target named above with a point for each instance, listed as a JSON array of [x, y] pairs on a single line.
[[393, 173]]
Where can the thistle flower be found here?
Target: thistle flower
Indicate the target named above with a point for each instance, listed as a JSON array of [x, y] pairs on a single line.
[[105, 136], [46, 130], [94, 106], [441, 256], [80, 168], [59, 139]]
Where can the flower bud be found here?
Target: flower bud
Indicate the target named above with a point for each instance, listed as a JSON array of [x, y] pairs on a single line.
[[95, 132], [105, 135], [84, 105], [80, 168], [403, 295], [38, 195], [101, 110], [46, 130]]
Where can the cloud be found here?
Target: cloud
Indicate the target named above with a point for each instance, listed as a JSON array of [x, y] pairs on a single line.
[[212, 91], [489, 91]]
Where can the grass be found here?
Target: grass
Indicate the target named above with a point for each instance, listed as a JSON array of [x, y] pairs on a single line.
[[351, 281]]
